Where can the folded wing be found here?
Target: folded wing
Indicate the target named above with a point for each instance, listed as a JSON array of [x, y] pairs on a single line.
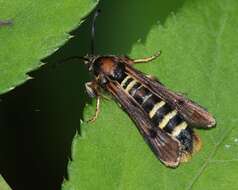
[[194, 114], [166, 148]]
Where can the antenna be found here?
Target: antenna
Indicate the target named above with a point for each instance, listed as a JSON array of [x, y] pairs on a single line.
[[92, 41], [74, 57], [93, 31]]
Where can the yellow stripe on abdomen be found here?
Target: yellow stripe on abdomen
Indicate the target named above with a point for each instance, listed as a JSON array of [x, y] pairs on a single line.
[[166, 118], [125, 80], [155, 108], [130, 85], [179, 128]]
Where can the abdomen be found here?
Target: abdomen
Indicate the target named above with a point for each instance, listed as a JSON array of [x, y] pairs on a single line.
[[162, 115]]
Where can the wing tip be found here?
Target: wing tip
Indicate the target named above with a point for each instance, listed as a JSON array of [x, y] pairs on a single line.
[[174, 159], [172, 164], [212, 123]]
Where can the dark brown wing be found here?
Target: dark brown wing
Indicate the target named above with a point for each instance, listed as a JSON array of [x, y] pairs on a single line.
[[193, 113], [165, 147]]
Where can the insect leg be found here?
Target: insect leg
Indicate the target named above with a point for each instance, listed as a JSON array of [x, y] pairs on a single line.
[[93, 91], [147, 59], [94, 117]]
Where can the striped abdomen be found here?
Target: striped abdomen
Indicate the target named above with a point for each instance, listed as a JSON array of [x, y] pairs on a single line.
[[160, 113]]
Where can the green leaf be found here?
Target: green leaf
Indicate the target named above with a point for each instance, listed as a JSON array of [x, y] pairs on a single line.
[[38, 29], [3, 184], [200, 59]]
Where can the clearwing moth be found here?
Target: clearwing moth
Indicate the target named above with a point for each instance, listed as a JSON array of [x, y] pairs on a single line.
[[164, 118]]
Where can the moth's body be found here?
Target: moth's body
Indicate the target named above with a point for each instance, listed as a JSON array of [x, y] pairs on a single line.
[[164, 118], [154, 109], [160, 113]]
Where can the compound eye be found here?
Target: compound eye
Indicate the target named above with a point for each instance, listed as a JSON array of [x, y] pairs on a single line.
[[95, 67]]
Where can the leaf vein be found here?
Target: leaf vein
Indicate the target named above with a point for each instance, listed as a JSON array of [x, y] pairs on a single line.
[[209, 159]]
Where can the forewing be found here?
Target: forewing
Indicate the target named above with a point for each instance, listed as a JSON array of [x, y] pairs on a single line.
[[194, 114], [165, 147]]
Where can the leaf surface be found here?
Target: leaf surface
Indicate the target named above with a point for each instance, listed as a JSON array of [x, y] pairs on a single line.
[[3, 184], [38, 29]]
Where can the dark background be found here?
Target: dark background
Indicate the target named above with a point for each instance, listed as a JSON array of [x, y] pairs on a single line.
[[40, 118]]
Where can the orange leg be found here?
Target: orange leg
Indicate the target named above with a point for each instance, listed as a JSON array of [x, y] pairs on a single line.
[[93, 91], [94, 117], [147, 59]]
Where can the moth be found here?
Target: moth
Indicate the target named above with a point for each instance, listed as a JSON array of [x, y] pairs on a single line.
[[164, 118]]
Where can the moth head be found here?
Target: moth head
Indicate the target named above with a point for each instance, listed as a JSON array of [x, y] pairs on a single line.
[[89, 61], [107, 67]]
